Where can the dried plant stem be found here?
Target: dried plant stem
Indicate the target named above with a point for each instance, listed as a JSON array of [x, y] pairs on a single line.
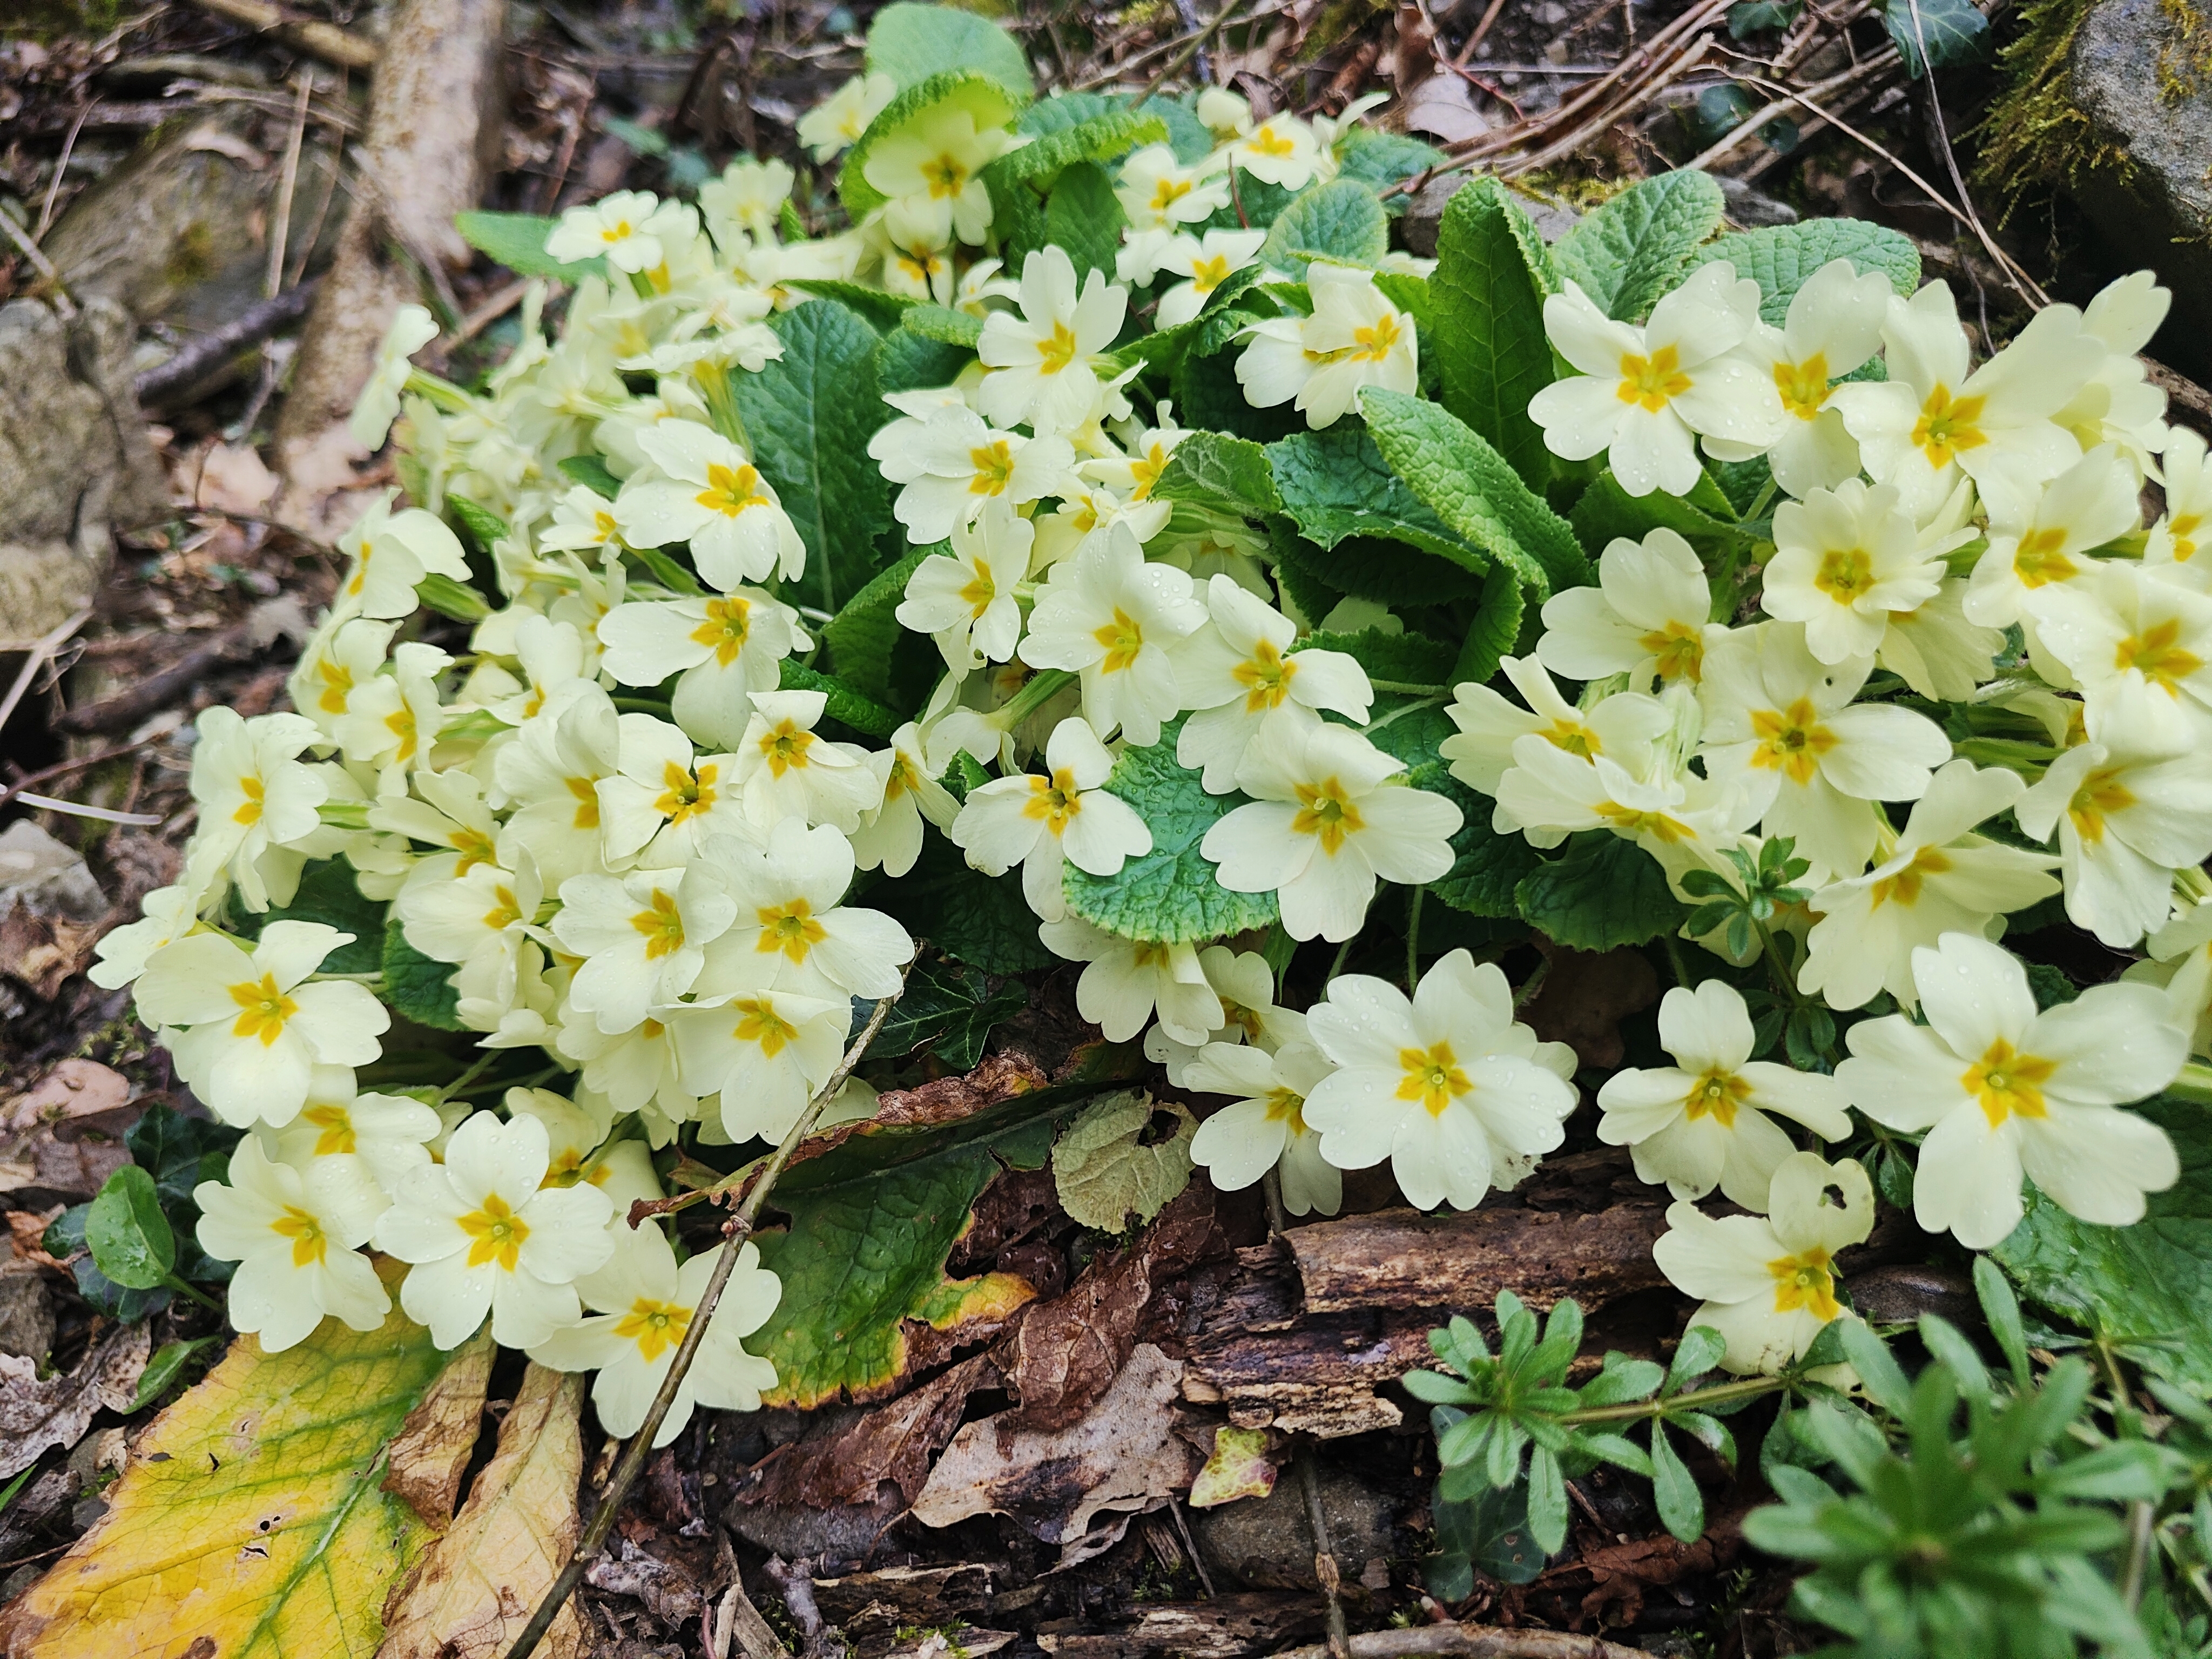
[[1473, 1642], [735, 1231]]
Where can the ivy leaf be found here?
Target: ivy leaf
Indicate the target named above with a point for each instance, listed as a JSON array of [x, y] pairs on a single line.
[[809, 416], [1470, 486], [865, 637], [1489, 343], [1631, 251], [1170, 895], [328, 894], [418, 987], [911, 43], [949, 1008], [872, 1220], [126, 1232], [864, 714], [1749, 17], [1226, 474], [1084, 217], [1340, 220], [2138, 1287], [1782, 259], [1336, 484], [1605, 892], [517, 240], [991, 101], [1111, 1171], [1952, 32]]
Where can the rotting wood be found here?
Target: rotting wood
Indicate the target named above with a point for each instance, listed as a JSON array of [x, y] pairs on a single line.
[[1255, 1621]]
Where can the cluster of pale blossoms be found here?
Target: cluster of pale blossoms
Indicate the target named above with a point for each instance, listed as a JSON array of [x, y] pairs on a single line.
[[657, 904]]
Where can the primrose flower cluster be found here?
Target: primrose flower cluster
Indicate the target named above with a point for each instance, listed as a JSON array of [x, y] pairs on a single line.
[[679, 789]]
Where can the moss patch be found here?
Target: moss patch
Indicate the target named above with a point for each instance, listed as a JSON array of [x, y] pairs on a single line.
[[2035, 141]]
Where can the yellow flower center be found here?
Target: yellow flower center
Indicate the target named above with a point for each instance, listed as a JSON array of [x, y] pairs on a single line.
[[1845, 573], [337, 681], [587, 802], [790, 928], [682, 795], [1716, 1094], [1803, 386], [1266, 676], [1946, 427], [758, 1022], [785, 748], [1432, 1076], [731, 490], [1167, 190], [1054, 799], [1326, 811], [1057, 349], [249, 810], [1266, 141], [901, 778], [475, 848], [1123, 640], [655, 1326], [1653, 381], [1573, 737], [305, 1232], [1678, 650], [977, 592], [1207, 274], [263, 1010], [1904, 887], [2101, 795], [621, 231], [662, 924], [2181, 534], [505, 912], [728, 625], [2005, 1082], [336, 1123], [603, 525], [1805, 1283], [1642, 821], [994, 468], [1283, 1106], [946, 176], [495, 1234], [2038, 560], [401, 725], [1790, 740], [2157, 654], [1377, 339]]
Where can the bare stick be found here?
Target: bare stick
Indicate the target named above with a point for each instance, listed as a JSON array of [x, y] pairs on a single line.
[[41, 648], [325, 40], [1473, 1642], [1875, 64], [29, 249], [735, 1231], [257, 323]]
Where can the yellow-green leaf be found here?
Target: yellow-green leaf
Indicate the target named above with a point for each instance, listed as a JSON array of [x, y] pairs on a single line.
[[252, 1513]]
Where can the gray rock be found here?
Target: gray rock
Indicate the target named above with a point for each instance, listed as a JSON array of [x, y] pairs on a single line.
[[1426, 211], [1267, 1543], [2148, 188], [1753, 209]]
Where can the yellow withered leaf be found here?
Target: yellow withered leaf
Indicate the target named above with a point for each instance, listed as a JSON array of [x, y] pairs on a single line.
[[252, 1523]]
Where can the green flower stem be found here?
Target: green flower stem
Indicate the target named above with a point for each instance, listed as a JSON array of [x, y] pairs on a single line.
[[1406, 689], [1413, 939], [1041, 687], [2028, 759], [1770, 948], [475, 1070], [2194, 1085], [208, 1302], [440, 391], [1636, 1411]]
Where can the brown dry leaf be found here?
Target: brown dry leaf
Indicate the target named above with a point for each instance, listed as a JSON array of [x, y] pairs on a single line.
[[1239, 1468], [1443, 106], [428, 1457], [1125, 1456], [470, 1594], [1584, 997], [75, 1095], [234, 478], [35, 1415], [841, 1462]]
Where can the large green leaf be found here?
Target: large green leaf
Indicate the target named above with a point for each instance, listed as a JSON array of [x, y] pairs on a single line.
[[1207, 397], [991, 101], [1378, 159], [1951, 32], [2141, 1288], [1104, 137], [865, 637], [1399, 658], [1486, 866], [1488, 339], [872, 1223], [517, 240], [1495, 630], [979, 920], [1340, 220], [1781, 258], [1367, 568], [1627, 253], [328, 894], [883, 312], [949, 1008], [1335, 483], [1605, 891], [1213, 470], [906, 359], [1170, 895], [1085, 218], [1473, 488], [1607, 511], [911, 43], [842, 703], [809, 416], [418, 987]]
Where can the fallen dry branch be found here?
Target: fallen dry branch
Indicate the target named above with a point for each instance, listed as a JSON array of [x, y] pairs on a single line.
[[1473, 1642]]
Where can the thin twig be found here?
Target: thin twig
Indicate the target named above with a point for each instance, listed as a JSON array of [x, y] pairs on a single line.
[[1191, 49], [1874, 64], [203, 356], [61, 170], [1481, 30], [2013, 273], [41, 648], [736, 1230], [1472, 1641], [16, 791], [325, 40], [29, 249]]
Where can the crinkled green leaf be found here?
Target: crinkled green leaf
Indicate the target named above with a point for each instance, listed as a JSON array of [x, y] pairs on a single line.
[[1627, 253], [1208, 397], [1496, 629], [872, 1220], [517, 240], [1084, 217], [1941, 33], [329, 894], [911, 43], [2139, 1287], [485, 527], [1781, 258], [1104, 137], [906, 359], [1488, 343], [1607, 511], [1111, 1168], [844, 704], [882, 312], [1605, 891], [1214, 470], [1473, 488], [1404, 659], [949, 1008], [1339, 220], [865, 638], [420, 989], [1335, 483], [1059, 110], [944, 324], [1170, 894], [808, 417], [992, 103], [1378, 159]]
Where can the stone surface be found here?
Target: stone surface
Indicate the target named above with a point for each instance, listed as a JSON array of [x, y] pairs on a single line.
[[2133, 76], [1426, 211], [1267, 1543]]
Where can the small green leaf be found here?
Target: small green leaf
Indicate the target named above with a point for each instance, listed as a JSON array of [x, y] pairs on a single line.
[[911, 42], [1086, 218], [126, 1232], [1605, 892], [1170, 894], [1110, 1168], [420, 989], [1630, 251], [949, 1007], [1340, 220], [592, 472], [448, 597], [1228, 475], [1548, 1501], [1781, 258], [863, 714], [1489, 343], [864, 637], [484, 526], [1700, 1350], [991, 101], [2000, 1308], [329, 894], [169, 1360], [1942, 34], [1880, 1373], [1682, 1505], [517, 240]]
